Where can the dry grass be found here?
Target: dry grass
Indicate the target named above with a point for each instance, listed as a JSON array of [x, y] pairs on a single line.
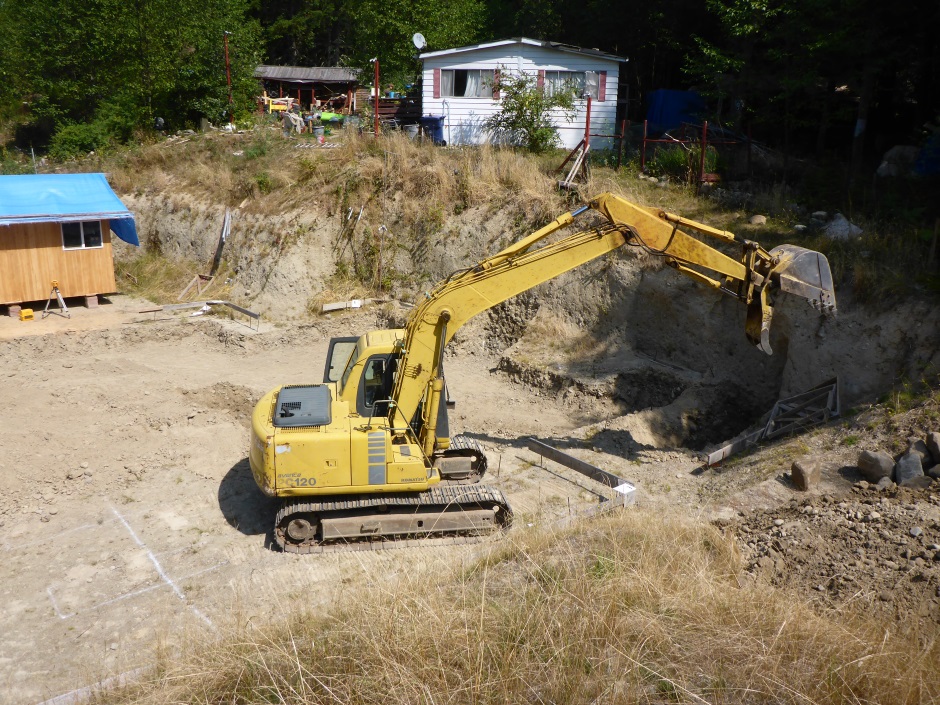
[[275, 174], [161, 280], [560, 337], [634, 607]]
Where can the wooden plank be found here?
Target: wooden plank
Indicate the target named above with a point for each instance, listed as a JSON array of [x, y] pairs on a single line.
[[569, 461], [250, 314]]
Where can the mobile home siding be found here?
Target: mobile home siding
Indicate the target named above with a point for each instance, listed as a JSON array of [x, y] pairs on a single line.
[[463, 117], [32, 256]]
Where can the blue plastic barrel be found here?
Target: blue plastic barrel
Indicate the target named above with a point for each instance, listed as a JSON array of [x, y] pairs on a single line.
[[433, 127]]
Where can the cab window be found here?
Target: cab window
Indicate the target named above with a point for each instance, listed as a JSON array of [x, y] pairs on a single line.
[[350, 364], [375, 386], [338, 357]]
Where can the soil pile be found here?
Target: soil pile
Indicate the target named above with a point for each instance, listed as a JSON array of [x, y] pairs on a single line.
[[875, 550]]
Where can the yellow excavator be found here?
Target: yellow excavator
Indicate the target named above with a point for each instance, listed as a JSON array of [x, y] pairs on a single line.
[[366, 454]]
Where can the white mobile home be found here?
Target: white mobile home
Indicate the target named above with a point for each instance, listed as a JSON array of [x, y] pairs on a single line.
[[458, 84]]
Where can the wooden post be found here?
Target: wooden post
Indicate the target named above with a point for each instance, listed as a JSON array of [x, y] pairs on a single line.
[[228, 78]]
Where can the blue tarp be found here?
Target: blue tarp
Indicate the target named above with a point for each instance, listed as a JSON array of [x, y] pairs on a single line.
[[668, 109], [64, 198]]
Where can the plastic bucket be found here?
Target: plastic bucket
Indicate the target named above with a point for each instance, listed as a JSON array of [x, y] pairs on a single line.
[[410, 130], [318, 131]]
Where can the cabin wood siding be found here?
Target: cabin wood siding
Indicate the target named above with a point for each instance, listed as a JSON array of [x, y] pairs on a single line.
[[463, 117], [31, 257]]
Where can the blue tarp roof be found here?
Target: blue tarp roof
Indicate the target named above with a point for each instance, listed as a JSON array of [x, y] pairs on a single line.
[[63, 198]]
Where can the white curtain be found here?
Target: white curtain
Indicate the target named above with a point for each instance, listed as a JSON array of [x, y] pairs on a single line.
[[473, 84], [447, 83], [591, 83]]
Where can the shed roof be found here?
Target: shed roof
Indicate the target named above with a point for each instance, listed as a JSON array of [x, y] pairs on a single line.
[[64, 198], [557, 46], [307, 74]]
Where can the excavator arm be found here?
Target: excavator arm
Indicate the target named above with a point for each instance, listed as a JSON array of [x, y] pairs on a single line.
[[753, 279]]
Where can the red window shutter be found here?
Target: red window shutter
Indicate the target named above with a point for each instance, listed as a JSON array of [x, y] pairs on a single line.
[[495, 84], [437, 83], [540, 81], [602, 85]]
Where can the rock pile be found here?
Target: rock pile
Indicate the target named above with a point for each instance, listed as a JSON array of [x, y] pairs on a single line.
[[877, 548], [916, 467]]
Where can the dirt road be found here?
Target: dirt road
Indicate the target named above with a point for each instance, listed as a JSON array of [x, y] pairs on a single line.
[[129, 516]]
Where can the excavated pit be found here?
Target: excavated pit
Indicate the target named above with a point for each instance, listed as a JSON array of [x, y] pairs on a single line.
[[615, 338]]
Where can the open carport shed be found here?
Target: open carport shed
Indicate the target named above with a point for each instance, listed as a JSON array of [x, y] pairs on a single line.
[[57, 227], [327, 87]]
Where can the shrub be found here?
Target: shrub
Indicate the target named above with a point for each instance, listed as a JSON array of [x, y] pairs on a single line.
[[524, 117], [75, 139]]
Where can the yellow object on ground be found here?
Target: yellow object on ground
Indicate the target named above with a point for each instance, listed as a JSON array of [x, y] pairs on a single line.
[[26, 314]]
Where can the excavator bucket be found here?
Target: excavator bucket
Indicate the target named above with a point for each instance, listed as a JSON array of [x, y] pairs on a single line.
[[804, 273]]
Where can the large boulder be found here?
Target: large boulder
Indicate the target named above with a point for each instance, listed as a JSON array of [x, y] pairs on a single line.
[[918, 447], [898, 161], [805, 472], [933, 445], [875, 464], [908, 468], [839, 228]]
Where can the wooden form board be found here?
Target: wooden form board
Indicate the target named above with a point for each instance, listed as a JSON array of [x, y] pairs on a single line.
[[32, 256]]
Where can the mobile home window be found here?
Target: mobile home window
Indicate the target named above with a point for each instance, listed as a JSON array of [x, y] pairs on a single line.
[[467, 83], [582, 83], [78, 236]]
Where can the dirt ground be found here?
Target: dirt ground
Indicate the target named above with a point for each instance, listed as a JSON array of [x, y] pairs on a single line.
[[129, 515], [130, 519]]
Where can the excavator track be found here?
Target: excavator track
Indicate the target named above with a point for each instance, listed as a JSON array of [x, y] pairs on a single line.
[[448, 514]]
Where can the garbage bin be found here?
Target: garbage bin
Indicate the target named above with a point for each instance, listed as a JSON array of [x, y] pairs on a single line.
[[433, 127]]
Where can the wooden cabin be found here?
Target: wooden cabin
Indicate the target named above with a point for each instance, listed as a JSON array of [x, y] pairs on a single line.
[[58, 228]]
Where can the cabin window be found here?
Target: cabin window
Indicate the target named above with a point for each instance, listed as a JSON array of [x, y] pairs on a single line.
[[581, 83], [79, 236], [467, 83]]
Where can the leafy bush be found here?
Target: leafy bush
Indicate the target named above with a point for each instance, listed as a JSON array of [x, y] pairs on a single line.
[[524, 117], [75, 139]]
